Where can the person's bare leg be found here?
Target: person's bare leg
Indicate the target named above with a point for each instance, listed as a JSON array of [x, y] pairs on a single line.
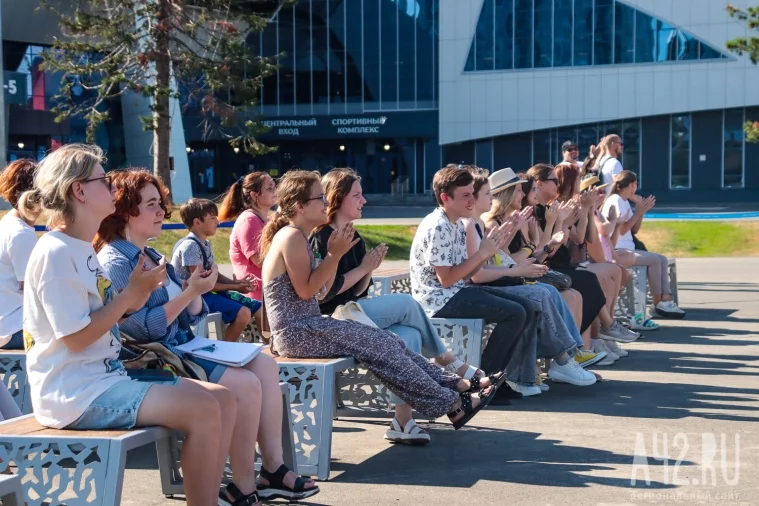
[[246, 388], [449, 358], [403, 413], [193, 410], [574, 302], [270, 426], [234, 330]]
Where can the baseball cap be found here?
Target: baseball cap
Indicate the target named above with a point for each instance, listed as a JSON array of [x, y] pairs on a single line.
[[567, 145]]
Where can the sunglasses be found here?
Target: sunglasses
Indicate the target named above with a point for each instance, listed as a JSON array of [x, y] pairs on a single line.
[[552, 179], [105, 179]]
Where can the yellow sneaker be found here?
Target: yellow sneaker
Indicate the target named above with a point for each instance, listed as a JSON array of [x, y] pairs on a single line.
[[539, 382], [586, 358]]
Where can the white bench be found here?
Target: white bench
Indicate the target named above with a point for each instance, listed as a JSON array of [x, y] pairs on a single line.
[[635, 295], [10, 491], [13, 375], [87, 467]]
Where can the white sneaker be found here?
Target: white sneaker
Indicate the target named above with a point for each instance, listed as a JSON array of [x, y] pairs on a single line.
[[616, 349], [571, 373], [668, 309], [525, 390], [618, 333], [599, 345], [541, 385]]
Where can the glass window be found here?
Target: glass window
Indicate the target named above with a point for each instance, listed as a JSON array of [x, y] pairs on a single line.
[[269, 49], [483, 154], [583, 32], [604, 28], [371, 48], [407, 37], [504, 40], [286, 40], [666, 42], [523, 34], [352, 46], [732, 177], [631, 152], [426, 47], [624, 34], [389, 53], [483, 39], [562, 33], [679, 176], [587, 135], [541, 147], [709, 53], [543, 21], [645, 39], [687, 47]]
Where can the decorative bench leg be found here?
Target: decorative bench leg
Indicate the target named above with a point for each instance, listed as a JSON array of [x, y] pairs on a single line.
[[13, 494], [114, 474], [641, 289], [673, 280], [13, 372], [288, 447], [311, 391], [168, 464], [53, 467]]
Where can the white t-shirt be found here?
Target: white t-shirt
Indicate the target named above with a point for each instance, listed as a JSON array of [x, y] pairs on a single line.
[[437, 242], [64, 284], [623, 207], [610, 168], [17, 240]]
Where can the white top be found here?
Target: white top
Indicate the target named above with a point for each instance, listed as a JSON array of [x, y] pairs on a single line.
[[623, 207], [610, 168], [64, 283], [437, 242], [17, 240]]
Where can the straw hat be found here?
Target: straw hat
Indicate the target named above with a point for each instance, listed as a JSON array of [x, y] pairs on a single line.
[[591, 182], [502, 179]]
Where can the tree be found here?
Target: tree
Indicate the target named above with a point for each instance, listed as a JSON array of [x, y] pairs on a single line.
[[112, 47], [749, 46]]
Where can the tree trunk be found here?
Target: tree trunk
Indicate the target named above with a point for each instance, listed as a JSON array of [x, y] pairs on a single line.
[[161, 118]]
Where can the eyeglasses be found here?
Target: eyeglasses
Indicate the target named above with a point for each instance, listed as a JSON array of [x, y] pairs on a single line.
[[572, 149], [105, 179], [321, 197]]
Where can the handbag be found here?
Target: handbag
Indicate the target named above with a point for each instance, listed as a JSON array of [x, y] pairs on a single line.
[[557, 279], [506, 281], [353, 311], [136, 355]]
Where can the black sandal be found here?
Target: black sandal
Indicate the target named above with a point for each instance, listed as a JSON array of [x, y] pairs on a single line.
[[467, 409], [496, 380], [276, 489], [238, 498]]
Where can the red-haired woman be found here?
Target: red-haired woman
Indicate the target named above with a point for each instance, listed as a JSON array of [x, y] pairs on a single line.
[[17, 240], [166, 317]]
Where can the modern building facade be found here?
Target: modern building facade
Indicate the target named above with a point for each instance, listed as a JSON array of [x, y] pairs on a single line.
[[523, 76], [398, 88]]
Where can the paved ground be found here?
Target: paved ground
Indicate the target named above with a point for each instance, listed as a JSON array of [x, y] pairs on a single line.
[[688, 382]]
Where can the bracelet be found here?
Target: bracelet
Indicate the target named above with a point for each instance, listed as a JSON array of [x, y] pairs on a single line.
[[547, 250]]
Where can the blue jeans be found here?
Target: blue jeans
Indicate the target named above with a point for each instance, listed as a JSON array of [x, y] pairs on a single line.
[[564, 311], [402, 315]]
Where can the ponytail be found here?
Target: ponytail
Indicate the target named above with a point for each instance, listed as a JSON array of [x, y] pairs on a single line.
[[622, 181], [233, 202], [29, 205], [277, 222]]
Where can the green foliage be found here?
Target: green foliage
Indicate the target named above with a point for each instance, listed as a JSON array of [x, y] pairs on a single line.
[[750, 47], [111, 47]]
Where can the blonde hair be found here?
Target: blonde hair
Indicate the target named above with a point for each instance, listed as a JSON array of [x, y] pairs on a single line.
[[501, 203], [294, 190], [55, 175]]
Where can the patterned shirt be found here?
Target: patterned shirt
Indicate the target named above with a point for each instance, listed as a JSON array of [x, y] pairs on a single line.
[[437, 243], [187, 253]]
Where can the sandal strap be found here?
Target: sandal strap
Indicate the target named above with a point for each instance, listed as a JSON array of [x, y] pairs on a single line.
[[474, 383], [466, 404], [240, 499], [412, 428], [277, 478]]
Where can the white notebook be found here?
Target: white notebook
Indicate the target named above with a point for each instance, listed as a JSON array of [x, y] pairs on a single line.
[[222, 352]]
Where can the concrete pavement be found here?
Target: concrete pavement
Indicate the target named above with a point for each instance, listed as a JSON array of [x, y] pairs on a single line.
[[692, 382]]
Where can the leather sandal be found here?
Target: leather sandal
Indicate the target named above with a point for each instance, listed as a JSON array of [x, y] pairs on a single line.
[[276, 489], [467, 408], [238, 498], [496, 380]]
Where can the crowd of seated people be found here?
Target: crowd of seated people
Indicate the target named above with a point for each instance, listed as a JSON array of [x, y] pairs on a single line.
[[541, 255]]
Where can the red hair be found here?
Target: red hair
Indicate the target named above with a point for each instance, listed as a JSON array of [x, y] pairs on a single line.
[[128, 185], [567, 174], [17, 178]]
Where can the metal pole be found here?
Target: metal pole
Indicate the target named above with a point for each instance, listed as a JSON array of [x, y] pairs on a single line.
[[4, 115]]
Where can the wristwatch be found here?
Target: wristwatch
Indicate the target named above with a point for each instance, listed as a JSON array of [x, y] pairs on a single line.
[[547, 250]]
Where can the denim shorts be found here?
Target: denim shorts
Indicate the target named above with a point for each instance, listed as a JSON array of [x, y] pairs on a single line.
[[218, 303], [117, 407]]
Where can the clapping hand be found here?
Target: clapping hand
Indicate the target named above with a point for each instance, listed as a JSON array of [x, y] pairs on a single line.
[[374, 258], [201, 281], [144, 281], [533, 230], [524, 215], [491, 243], [648, 203], [552, 212], [341, 240]]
